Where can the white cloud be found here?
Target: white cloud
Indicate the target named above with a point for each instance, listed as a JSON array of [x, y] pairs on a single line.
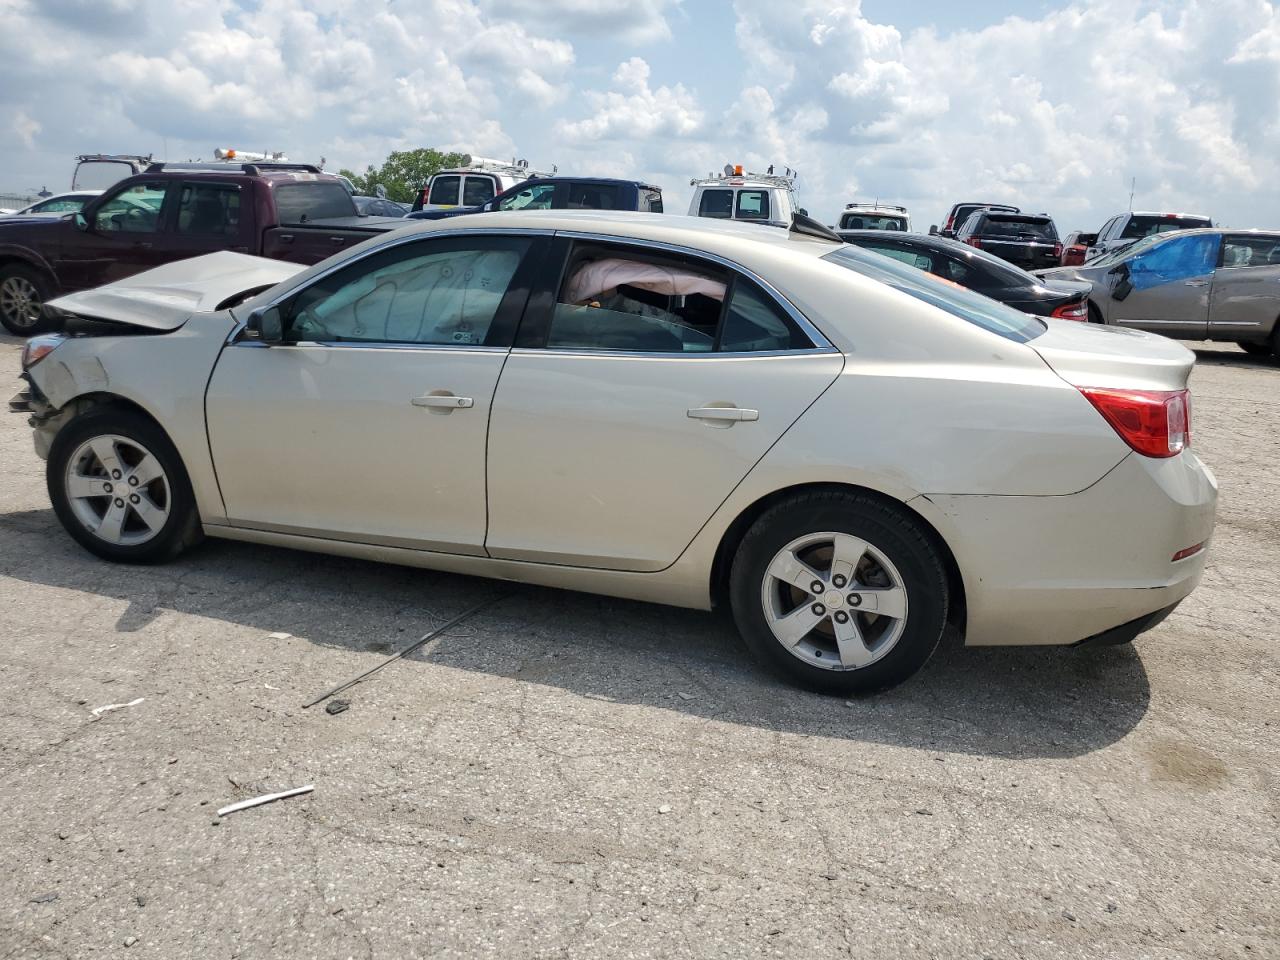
[[25, 129], [634, 111], [634, 21]]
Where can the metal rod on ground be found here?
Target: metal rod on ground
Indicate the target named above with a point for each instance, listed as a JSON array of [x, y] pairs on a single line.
[[409, 649]]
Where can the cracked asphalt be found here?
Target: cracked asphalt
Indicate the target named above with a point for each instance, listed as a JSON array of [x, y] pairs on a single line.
[[570, 776]]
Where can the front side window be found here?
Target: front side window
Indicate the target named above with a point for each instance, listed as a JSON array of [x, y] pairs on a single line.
[[209, 209], [1251, 251], [716, 203], [135, 209], [969, 306], [444, 191], [477, 190], [441, 291], [306, 200], [538, 197], [60, 205], [753, 205], [616, 300], [1178, 258]]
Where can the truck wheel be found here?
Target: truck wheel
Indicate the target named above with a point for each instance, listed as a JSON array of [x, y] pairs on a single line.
[[23, 293], [119, 488], [839, 592]]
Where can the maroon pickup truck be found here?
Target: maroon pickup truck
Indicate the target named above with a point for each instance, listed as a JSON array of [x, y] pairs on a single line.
[[170, 212]]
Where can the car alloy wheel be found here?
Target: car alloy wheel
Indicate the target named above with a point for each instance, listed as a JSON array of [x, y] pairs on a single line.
[[20, 302], [118, 490], [834, 601]]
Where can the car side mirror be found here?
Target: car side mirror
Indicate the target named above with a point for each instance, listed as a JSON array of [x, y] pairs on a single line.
[[81, 223], [266, 324]]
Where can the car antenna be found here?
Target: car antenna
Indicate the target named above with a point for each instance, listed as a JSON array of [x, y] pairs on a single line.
[[809, 227]]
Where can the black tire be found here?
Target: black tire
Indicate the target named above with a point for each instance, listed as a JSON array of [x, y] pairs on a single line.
[[892, 531], [182, 527], [1095, 315], [1254, 348], [16, 277]]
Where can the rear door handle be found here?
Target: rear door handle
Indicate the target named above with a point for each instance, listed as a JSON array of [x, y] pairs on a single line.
[[443, 401], [730, 414]]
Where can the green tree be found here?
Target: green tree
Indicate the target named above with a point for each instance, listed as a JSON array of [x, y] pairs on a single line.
[[404, 172]]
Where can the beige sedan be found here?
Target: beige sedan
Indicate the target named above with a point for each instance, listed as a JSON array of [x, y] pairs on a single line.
[[847, 453]]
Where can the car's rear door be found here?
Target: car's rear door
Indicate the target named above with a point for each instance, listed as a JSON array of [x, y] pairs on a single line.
[[1244, 301], [369, 423], [625, 415]]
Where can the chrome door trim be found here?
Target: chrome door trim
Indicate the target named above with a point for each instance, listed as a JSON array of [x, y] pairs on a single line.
[[804, 323], [708, 355]]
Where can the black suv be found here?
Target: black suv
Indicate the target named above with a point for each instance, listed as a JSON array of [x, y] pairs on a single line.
[[960, 212], [1027, 240]]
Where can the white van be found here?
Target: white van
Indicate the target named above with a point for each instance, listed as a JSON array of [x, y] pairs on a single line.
[[477, 181], [874, 216], [755, 197]]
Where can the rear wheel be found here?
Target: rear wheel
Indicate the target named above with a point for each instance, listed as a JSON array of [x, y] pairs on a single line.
[[839, 592], [1095, 315], [23, 293], [119, 488]]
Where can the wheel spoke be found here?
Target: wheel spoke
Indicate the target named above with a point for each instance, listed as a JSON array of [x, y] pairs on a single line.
[[886, 601], [149, 513], [853, 649], [104, 448], [111, 529], [848, 551], [795, 626], [79, 486], [148, 469], [789, 568]]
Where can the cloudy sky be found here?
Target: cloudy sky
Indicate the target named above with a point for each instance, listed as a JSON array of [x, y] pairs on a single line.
[[1054, 106]]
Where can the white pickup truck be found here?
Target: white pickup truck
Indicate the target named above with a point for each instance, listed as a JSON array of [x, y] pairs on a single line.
[[754, 197]]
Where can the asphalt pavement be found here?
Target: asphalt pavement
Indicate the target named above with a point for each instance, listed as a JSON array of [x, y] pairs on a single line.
[[571, 776]]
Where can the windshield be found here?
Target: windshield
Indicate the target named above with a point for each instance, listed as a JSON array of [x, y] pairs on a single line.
[[953, 299], [1146, 226], [872, 221], [1115, 256]]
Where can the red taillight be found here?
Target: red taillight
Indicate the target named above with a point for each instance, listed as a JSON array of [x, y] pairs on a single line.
[[1057, 250], [1155, 423], [1072, 311], [974, 242]]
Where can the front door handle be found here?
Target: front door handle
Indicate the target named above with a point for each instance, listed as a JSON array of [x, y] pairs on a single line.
[[443, 401], [729, 414], [1197, 283]]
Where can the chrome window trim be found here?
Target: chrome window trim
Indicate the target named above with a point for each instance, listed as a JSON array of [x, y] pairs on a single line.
[[396, 345], [816, 336], [395, 241], [673, 355]]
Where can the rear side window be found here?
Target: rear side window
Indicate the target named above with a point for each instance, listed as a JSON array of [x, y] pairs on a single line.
[[969, 306], [755, 322], [476, 190], [1251, 251], [753, 205], [1017, 228], [312, 200], [593, 196], [1139, 226], [716, 203], [444, 190], [209, 209]]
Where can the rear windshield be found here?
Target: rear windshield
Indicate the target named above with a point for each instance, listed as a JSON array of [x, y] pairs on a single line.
[[872, 221], [965, 209], [99, 174], [716, 203], [1017, 228], [971, 307], [753, 205], [313, 200], [476, 190], [1149, 226]]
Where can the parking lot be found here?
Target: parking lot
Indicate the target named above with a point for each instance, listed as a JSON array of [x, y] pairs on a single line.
[[572, 776]]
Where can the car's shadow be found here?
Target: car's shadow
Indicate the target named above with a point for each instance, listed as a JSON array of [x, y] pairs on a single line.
[[1006, 702], [1226, 355]]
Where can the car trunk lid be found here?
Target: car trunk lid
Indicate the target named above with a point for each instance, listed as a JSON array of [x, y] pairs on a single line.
[[1090, 355], [164, 298]]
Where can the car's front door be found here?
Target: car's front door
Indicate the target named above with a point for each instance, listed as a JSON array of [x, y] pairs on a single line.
[[368, 423], [1165, 287], [124, 233], [644, 386], [1245, 298]]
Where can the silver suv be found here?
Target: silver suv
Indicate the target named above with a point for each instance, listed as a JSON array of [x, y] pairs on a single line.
[[1123, 229]]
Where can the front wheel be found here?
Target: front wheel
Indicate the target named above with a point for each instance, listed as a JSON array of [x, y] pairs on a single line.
[[119, 488], [1254, 348], [840, 592]]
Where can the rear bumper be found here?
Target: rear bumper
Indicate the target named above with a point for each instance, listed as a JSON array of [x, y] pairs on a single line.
[[1054, 570], [1126, 632]]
